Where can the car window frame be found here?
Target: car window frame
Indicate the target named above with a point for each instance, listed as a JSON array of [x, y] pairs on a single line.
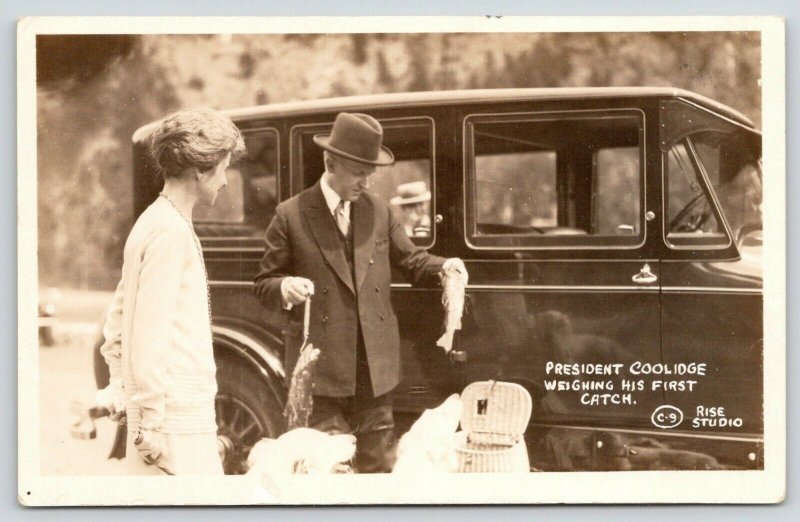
[[209, 242], [296, 165], [707, 188], [467, 151]]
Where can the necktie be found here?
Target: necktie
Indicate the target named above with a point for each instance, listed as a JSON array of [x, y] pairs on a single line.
[[342, 219]]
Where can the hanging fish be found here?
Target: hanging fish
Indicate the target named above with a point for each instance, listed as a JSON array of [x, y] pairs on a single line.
[[300, 400], [454, 282]]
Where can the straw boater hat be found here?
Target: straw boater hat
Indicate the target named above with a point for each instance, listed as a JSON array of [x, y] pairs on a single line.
[[410, 193], [356, 137]]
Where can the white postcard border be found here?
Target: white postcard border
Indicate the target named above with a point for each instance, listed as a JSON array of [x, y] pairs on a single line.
[[551, 487]]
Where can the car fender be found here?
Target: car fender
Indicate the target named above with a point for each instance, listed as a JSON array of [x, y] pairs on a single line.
[[266, 360]]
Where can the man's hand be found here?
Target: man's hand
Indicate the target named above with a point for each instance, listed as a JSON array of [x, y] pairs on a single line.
[[112, 397], [150, 444], [456, 264], [296, 290]]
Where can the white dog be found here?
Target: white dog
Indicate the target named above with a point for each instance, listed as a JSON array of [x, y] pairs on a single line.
[[300, 451], [430, 445]]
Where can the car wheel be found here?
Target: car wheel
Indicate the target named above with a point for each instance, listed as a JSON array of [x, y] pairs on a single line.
[[247, 411]]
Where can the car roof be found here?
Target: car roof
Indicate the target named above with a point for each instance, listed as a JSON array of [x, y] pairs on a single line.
[[368, 102]]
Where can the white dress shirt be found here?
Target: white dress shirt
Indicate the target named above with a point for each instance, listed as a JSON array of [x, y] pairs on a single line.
[[332, 198]]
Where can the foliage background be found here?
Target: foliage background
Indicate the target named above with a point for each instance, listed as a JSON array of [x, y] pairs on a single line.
[[94, 91]]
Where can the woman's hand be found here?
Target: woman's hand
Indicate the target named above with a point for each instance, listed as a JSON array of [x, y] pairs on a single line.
[[112, 397], [150, 444]]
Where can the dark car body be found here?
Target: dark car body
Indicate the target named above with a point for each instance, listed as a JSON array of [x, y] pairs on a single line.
[[598, 225]]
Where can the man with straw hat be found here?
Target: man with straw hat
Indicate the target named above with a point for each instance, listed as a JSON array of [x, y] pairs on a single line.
[[412, 205], [338, 242]]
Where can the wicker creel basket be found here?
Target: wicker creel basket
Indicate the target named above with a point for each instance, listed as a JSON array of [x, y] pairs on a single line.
[[493, 424]]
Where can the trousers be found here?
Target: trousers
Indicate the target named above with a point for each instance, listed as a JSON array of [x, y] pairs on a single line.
[[367, 417]]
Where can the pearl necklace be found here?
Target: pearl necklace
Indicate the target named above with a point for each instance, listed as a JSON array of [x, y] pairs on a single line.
[[199, 253]]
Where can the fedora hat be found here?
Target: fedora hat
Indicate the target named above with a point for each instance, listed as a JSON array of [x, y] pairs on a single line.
[[410, 193], [356, 137]]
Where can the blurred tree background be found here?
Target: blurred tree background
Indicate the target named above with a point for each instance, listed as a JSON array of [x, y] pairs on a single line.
[[93, 91]]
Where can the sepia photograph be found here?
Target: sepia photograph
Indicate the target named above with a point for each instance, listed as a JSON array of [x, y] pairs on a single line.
[[498, 256]]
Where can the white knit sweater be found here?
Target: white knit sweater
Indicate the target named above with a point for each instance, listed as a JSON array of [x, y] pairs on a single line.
[[157, 330]]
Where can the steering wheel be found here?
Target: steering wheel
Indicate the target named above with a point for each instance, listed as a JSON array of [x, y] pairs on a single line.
[[695, 221]]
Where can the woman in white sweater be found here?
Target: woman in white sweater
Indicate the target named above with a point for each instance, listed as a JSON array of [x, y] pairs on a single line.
[[158, 328]]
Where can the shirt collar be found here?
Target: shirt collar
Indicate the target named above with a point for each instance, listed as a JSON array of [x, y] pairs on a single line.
[[331, 197]]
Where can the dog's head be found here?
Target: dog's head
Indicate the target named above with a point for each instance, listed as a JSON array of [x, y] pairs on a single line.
[[297, 452], [302, 450], [313, 451], [430, 443]]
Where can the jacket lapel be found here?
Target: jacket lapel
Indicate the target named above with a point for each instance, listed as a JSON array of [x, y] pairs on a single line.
[[363, 218], [323, 226]]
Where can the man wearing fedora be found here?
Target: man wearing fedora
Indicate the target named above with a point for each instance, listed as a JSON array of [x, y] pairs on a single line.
[[338, 242], [411, 202]]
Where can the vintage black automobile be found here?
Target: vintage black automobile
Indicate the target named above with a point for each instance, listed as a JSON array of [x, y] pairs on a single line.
[[599, 226]]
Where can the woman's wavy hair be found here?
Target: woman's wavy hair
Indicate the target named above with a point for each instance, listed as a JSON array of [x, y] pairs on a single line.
[[194, 138]]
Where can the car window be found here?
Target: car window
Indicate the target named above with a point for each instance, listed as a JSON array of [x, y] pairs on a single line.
[[617, 203], [734, 171], [516, 189], [246, 205], [406, 185], [691, 218], [555, 180]]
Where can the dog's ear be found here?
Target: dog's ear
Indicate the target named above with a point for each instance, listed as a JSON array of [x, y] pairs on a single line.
[[270, 485], [343, 447], [261, 452], [264, 462], [443, 419], [453, 407]]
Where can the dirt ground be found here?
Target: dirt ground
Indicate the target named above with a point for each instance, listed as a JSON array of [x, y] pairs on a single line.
[[66, 375]]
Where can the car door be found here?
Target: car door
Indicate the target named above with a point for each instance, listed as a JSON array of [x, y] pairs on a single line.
[[712, 302], [564, 273]]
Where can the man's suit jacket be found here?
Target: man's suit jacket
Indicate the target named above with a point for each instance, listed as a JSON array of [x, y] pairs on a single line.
[[302, 240]]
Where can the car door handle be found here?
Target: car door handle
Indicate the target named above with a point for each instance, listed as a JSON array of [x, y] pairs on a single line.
[[645, 276], [417, 389]]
